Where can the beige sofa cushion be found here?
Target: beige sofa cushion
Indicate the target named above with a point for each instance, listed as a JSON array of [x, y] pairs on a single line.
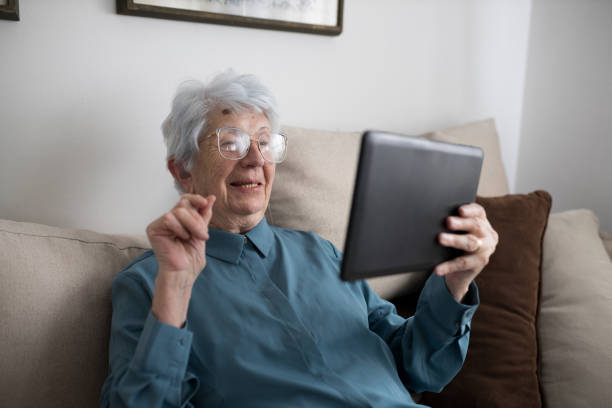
[[313, 187], [493, 179], [575, 313], [55, 307]]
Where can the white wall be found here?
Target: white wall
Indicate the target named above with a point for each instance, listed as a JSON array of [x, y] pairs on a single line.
[[566, 143], [84, 90]]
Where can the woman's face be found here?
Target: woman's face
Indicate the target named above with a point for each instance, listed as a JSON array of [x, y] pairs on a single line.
[[242, 187]]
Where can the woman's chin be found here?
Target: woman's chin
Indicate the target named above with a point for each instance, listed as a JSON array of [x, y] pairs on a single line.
[[249, 209]]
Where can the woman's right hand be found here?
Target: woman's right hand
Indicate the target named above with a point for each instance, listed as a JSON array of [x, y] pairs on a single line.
[[178, 239]]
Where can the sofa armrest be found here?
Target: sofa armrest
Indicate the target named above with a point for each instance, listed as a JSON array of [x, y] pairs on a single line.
[[55, 294]]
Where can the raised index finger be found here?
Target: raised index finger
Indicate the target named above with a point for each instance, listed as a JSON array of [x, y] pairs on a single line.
[[195, 201], [205, 209]]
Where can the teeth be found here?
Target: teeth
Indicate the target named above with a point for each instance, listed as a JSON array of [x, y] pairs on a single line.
[[249, 185]]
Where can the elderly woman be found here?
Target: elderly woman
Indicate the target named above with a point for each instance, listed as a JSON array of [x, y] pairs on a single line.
[[228, 311]]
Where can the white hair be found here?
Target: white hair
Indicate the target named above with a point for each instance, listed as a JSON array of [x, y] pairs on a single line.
[[193, 103]]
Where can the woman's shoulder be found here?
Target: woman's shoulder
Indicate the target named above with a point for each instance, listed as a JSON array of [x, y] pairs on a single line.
[[142, 269], [305, 239], [291, 234]]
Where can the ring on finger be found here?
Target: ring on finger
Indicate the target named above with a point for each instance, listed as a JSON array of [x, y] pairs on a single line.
[[478, 245]]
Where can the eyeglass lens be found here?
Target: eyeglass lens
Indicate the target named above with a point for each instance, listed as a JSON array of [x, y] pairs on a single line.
[[234, 144]]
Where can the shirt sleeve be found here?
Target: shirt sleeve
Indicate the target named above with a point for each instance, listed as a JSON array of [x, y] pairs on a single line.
[[148, 359], [430, 347]]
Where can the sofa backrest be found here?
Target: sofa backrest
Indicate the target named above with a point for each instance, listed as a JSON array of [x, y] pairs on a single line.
[[56, 308]]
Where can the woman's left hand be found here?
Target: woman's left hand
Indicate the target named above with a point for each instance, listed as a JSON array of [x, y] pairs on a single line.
[[479, 243]]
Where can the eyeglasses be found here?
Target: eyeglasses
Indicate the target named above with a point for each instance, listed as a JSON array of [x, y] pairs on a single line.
[[234, 144]]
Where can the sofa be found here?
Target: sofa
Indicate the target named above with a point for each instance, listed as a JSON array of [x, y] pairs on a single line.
[[541, 336]]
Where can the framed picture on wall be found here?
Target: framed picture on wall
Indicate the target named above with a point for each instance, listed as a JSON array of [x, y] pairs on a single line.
[[306, 16], [9, 10]]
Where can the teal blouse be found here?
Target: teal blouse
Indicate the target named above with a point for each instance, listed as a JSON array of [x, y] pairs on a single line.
[[270, 324]]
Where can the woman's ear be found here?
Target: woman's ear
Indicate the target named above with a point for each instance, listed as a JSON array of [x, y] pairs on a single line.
[[181, 175]]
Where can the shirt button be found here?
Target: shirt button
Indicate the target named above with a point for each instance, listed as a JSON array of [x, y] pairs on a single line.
[[182, 342]]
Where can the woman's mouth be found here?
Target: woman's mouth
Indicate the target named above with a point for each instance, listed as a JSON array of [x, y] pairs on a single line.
[[246, 186]]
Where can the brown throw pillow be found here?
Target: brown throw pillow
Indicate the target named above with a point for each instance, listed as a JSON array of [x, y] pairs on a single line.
[[501, 365]]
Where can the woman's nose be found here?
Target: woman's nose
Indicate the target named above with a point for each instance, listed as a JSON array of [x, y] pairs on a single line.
[[253, 157]]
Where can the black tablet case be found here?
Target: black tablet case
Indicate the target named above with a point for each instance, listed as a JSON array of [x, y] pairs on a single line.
[[404, 189]]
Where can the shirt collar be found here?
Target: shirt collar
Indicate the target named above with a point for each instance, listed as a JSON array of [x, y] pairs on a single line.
[[228, 246]]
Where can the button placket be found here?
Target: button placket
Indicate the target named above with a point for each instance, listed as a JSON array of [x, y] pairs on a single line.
[[296, 329]]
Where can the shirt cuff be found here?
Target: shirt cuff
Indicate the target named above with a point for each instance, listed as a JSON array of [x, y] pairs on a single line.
[[451, 317], [163, 349]]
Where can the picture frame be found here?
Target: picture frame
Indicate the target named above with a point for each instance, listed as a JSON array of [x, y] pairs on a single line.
[[9, 10], [305, 16]]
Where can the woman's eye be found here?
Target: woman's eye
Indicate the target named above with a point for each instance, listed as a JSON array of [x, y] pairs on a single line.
[[229, 147]]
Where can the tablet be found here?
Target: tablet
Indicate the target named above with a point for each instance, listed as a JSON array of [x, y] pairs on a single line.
[[404, 189]]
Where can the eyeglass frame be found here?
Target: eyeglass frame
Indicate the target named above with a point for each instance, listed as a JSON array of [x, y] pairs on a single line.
[[217, 130]]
